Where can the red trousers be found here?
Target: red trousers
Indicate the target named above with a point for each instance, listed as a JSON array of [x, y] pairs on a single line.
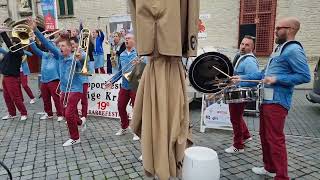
[[49, 90], [102, 71], [12, 95], [240, 130], [71, 113], [84, 101], [24, 83], [272, 120], [123, 100]]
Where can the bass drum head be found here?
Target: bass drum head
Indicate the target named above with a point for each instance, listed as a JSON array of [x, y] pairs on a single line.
[[202, 74]]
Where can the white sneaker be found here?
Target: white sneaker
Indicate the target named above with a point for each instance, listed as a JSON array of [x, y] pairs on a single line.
[[232, 149], [84, 124], [23, 118], [248, 140], [8, 117], [122, 132], [71, 142], [32, 101], [44, 117], [140, 158], [60, 118], [262, 171], [135, 137]]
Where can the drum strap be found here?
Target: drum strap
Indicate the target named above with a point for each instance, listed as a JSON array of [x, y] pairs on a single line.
[[277, 52], [242, 58]]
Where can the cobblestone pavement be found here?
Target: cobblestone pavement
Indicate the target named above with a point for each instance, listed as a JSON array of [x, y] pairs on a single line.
[[33, 149]]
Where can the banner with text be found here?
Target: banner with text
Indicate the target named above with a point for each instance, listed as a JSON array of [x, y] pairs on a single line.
[[49, 10], [104, 102]]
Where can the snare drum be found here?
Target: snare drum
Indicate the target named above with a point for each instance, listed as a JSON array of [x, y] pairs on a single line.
[[240, 95]]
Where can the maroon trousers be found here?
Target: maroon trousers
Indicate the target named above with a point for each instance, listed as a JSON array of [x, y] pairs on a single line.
[[24, 83], [272, 120], [123, 100], [102, 71], [71, 113], [240, 130], [84, 101], [12, 95], [49, 90]]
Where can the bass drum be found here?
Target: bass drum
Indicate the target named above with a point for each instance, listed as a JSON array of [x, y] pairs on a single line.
[[203, 77]]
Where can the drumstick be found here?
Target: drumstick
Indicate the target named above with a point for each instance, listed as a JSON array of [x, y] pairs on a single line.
[[242, 80], [221, 72], [255, 81]]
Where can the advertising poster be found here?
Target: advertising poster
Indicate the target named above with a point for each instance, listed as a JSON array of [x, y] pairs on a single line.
[[104, 102], [49, 10]]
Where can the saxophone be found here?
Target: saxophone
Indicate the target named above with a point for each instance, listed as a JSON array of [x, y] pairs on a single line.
[[113, 57]]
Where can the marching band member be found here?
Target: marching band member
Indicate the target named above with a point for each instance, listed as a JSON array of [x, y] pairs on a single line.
[[247, 63], [84, 99], [70, 95], [126, 93], [117, 48], [98, 38], [286, 68], [10, 68], [24, 72], [74, 32], [49, 81]]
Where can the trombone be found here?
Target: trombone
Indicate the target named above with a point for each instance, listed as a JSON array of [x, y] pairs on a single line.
[[24, 33], [83, 45], [128, 66], [25, 39]]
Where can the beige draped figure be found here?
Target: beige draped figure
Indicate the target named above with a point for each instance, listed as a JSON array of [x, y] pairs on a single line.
[[165, 31]]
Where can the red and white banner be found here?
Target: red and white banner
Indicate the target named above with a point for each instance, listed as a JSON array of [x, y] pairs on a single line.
[[49, 10]]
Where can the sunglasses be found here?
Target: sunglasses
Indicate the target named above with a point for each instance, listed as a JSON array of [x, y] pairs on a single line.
[[280, 27]]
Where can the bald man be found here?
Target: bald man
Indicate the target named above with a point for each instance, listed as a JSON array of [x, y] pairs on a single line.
[[286, 68], [127, 92]]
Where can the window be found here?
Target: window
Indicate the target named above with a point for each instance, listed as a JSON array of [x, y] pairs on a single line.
[[262, 13], [65, 7]]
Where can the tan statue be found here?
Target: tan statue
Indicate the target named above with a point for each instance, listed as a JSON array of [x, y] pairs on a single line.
[[165, 30]]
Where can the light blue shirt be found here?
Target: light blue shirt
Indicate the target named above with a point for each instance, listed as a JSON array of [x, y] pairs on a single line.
[[246, 64], [65, 66], [49, 65], [290, 67]]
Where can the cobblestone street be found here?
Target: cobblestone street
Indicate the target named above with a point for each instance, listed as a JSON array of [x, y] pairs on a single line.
[[33, 149]]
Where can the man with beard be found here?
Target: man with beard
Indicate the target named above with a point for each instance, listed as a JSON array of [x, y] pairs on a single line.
[[247, 63], [286, 68]]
